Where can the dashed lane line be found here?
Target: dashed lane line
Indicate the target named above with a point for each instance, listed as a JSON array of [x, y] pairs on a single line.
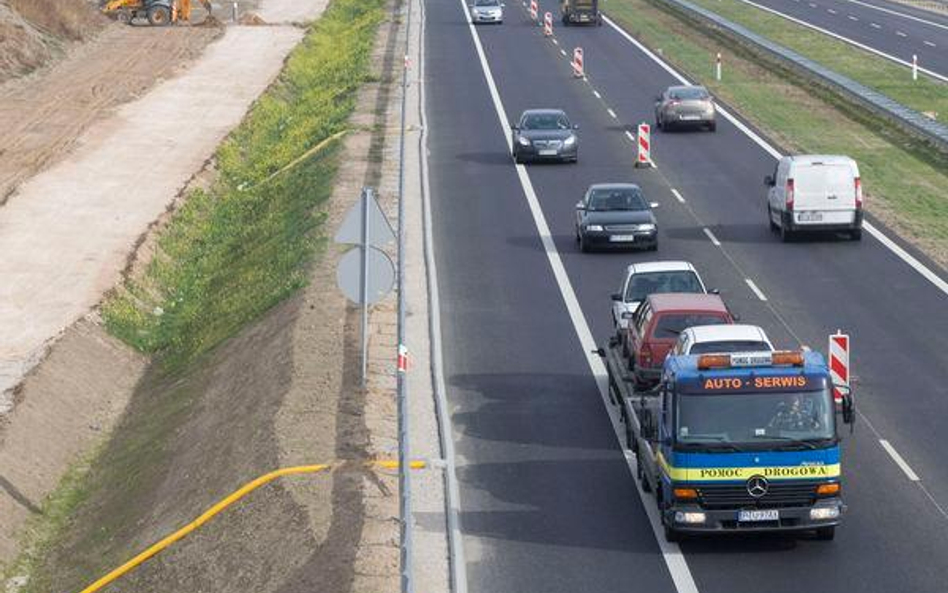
[[755, 290], [714, 240], [598, 96], [675, 193], [899, 461], [853, 18], [875, 25], [901, 34], [901, 14], [611, 113], [929, 43], [631, 136]]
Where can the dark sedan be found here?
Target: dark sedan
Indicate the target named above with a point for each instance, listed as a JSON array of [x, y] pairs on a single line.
[[615, 215], [545, 134]]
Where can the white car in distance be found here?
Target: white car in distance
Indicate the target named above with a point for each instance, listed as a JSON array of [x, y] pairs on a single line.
[[487, 11], [643, 279], [736, 337]]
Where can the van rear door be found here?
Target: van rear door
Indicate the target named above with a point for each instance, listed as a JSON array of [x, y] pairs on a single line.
[[824, 193]]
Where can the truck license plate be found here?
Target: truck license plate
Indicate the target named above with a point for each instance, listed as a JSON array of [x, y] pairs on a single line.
[[758, 515], [622, 238]]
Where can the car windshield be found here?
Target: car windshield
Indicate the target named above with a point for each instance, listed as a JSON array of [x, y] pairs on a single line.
[[545, 121], [643, 284], [689, 94], [616, 199], [729, 346], [754, 418], [670, 325], [486, 3]]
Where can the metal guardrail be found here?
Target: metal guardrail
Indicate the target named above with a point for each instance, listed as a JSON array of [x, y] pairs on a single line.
[[907, 118]]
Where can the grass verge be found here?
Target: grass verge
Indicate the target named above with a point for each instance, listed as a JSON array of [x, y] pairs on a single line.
[[232, 252], [882, 75], [904, 180]]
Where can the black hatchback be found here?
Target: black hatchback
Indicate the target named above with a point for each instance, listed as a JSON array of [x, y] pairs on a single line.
[[616, 215]]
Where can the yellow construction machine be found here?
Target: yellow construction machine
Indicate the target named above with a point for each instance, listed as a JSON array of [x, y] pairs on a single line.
[[157, 12]]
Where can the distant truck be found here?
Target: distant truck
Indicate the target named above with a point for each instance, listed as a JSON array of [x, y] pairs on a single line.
[[736, 442], [580, 12]]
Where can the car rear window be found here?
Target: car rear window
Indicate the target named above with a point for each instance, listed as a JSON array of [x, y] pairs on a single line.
[[644, 284], [689, 94], [671, 324], [729, 346]]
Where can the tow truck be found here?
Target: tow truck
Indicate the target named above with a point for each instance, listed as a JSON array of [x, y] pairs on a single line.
[[739, 442]]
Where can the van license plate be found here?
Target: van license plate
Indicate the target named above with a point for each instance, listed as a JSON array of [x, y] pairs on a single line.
[[810, 217], [758, 515]]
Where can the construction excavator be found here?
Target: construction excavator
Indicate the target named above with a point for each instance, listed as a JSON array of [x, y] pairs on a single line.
[[157, 12]]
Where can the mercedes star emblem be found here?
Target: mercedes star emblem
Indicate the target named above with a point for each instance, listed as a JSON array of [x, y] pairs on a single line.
[[757, 486]]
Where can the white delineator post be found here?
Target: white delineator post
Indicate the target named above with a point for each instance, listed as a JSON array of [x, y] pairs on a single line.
[[717, 67], [839, 363], [533, 9], [914, 67], [547, 24], [579, 69], [644, 141]]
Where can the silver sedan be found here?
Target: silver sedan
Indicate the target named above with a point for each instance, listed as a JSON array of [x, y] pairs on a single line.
[[681, 106]]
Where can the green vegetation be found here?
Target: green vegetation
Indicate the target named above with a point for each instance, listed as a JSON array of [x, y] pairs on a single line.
[[234, 251], [904, 180], [877, 73]]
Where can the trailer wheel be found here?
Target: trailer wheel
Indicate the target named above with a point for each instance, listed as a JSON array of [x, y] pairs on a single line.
[[826, 534], [159, 16]]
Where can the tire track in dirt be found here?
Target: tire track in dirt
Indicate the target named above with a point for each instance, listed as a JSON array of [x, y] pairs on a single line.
[[44, 114]]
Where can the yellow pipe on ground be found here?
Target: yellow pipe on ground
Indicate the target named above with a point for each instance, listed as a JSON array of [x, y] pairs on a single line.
[[220, 506]]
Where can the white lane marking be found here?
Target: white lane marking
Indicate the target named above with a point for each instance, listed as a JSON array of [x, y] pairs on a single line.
[[598, 96], [755, 290], [853, 18], [674, 559], [555, 42], [831, 11], [631, 136], [875, 25], [457, 563], [898, 460], [677, 195], [852, 42], [901, 14], [714, 240], [901, 34], [562, 51], [905, 256], [611, 113], [812, 5], [929, 43]]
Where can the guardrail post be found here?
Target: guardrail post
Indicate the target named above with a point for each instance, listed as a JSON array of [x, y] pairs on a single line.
[[914, 67]]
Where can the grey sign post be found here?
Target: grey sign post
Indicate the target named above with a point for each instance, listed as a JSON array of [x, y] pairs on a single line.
[[365, 275]]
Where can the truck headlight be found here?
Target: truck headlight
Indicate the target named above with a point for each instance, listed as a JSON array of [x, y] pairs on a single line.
[[594, 227], [824, 513], [523, 141], [689, 517], [570, 141]]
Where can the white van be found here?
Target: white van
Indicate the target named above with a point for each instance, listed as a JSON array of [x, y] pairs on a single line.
[[815, 192]]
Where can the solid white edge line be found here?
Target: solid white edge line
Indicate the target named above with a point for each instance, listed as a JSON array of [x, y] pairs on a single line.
[[852, 42], [714, 240], [891, 245], [677, 195], [457, 565], [612, 113], [901, 14], [898, 460], [671, 552], [755, 290]]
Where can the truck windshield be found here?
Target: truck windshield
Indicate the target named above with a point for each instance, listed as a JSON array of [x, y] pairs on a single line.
[[754, 419]]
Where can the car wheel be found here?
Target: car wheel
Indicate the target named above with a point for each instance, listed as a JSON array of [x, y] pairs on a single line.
[[826, 534], [786, 235], [517, 158], [856, 234], [653, 246], [672, 535], [583, 244], [770, 219]]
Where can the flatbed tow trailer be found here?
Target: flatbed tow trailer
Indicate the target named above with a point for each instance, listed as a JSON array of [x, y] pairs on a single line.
[[789, 481]]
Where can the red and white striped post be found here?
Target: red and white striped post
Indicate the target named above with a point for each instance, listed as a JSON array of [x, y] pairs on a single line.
[[914, 67], [644, 141], [717, 67], [534, 9], [548, 24], [403, 358], [839, 363], [579, 68]]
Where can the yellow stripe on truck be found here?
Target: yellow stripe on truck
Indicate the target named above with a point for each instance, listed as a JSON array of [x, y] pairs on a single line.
[[723, 474]]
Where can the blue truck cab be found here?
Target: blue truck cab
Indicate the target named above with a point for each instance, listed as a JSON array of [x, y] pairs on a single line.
[[743, 442]]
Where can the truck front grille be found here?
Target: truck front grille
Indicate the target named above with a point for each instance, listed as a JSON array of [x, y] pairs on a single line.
[[736, 496]]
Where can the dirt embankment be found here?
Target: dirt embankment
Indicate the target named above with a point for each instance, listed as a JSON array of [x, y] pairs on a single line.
[[34, 31]]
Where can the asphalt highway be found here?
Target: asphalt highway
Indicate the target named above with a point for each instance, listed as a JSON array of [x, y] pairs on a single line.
[[891, 28], [548, 502]]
